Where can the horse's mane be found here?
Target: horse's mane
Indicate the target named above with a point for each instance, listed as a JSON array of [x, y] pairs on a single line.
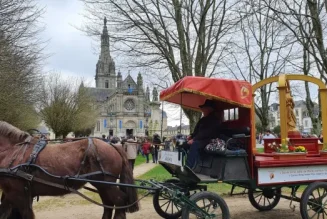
[[13, 134]]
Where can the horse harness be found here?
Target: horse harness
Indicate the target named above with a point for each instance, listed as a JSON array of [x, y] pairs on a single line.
[[24, 170]]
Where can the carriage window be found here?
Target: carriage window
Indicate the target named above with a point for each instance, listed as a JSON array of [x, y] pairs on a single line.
[[231, 114], [98, 126]]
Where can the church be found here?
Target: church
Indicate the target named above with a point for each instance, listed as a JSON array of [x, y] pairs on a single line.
[[125, 105]]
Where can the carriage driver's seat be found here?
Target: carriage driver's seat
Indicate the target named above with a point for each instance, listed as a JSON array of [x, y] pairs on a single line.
[[236, 143]]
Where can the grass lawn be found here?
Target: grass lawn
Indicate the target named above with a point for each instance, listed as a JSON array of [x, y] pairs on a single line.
[[260, 150], [139, 160], [160, 174]]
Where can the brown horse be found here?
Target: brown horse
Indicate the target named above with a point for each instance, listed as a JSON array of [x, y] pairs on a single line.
[[63, 160]]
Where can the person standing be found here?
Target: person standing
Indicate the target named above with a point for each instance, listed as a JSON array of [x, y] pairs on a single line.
[[268, 135], [155, 148], [105, 139], [172, 144], [139, 147], [131, 150], [146, 149], [115, 141]]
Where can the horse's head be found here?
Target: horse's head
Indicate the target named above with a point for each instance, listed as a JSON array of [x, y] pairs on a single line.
[[12, 134]]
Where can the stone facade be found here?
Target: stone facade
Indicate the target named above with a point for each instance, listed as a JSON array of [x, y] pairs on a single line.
[[124, 106]]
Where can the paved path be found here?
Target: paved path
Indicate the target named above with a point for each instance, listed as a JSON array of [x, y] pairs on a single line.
[[143, 168]]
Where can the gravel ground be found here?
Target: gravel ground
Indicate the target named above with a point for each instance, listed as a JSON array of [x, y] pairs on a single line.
[[240, 208]]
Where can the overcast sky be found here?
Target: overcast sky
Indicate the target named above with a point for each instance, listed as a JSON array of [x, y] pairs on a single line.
[[72, 52], [70, 49]]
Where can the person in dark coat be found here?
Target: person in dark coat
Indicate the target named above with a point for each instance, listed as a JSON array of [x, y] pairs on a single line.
[[156, 141], [206, 129]]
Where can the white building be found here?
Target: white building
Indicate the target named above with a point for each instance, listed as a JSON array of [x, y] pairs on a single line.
[[172, 131], [303, 121]]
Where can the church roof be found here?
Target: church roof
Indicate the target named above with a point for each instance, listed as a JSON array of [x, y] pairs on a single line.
[[177, 127], [101, 94], [129, 81]]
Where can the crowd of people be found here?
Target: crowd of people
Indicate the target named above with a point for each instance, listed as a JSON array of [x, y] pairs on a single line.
[[143, 146], [270, 135]]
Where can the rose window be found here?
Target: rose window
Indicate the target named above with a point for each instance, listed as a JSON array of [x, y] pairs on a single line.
[[129, 104]]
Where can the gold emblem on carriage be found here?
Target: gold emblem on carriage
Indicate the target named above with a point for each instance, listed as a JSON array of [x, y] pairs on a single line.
[[244, 92], [272, 176]]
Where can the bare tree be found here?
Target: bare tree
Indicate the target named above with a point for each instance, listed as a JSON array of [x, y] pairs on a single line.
[[263, 51], [185, 37], [86, 113], [306, 19], [65, 108], [20, 55], [306, 68]]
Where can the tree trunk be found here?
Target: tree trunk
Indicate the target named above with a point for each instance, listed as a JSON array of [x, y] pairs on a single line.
[[310, 108], [193, 117], [264, 122], [308, 101]]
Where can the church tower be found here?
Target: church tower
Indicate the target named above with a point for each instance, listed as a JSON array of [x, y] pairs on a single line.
[[105, 74]]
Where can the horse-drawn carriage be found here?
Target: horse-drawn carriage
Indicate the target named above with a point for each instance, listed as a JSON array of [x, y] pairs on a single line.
[[263, 175], [28, 171]]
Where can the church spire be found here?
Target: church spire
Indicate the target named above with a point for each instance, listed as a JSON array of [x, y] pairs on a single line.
[[105, 73], [105, 53]]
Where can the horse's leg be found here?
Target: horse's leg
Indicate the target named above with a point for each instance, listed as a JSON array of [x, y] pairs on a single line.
[[107, 213], [5, 209], [13, 212], [24, 205], [119, 198]]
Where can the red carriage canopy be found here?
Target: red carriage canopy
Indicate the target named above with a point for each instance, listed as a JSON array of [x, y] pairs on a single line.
[[193, 91]]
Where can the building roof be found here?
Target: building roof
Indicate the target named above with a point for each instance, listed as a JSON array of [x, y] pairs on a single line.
[[176, 128], [101, 94], [129, 81]]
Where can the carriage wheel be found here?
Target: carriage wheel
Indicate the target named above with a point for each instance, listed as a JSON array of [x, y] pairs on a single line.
[[264, 199], [314, 201], [211, 203], [164, 205]]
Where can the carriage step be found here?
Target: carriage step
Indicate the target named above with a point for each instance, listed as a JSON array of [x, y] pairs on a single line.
[[204, 178]]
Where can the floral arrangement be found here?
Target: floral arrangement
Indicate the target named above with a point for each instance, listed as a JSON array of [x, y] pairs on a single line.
[[285, 147]]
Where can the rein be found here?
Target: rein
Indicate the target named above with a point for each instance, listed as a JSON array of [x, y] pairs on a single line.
[[20, 172]]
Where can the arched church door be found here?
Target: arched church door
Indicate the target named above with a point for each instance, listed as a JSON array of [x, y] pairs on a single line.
[[130, 128]]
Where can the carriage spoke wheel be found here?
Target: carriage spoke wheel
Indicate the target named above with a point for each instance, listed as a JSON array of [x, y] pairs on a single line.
[[314, 201], [164, 205], [210, 203], [264, 199]]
